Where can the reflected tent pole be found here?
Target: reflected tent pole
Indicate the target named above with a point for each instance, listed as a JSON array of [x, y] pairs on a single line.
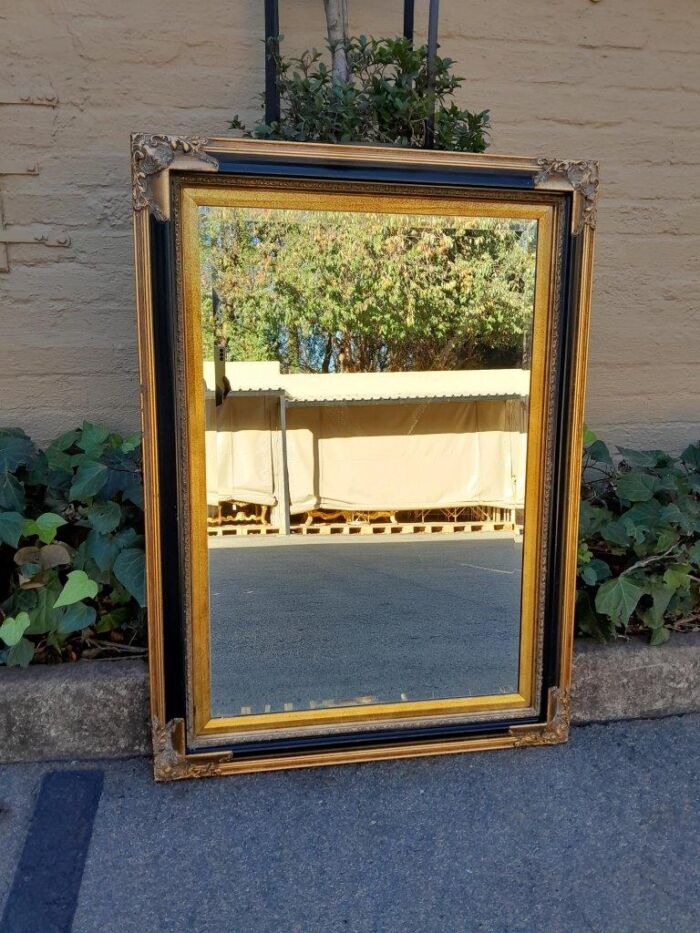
[[272, 31], [219, 350], [433, 14]]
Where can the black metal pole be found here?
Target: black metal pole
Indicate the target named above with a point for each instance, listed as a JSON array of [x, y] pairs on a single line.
[[432, 52], [408, 9], [272, 31]]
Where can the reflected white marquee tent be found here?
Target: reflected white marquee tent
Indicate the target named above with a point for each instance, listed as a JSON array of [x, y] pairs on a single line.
[[366, 441]]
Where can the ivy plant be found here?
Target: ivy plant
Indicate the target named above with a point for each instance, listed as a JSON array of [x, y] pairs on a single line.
[[639, 542], [71, 545], [387, 99]]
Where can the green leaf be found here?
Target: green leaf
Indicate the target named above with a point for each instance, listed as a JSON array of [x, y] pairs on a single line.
[[666, 540], [588, 621], [104, 516], [45, 526], [88, 481], [677, 575], [12, 629], [618, 599], [659, 636], [113, 619], [134, 493], [11, 493], [616, 533], [691, 456], [637, 487], [131, 442], [21, 654], [76, 618], [103, 549], [16, 449], [642, 458], [599, 452], [78, 586], [595, 572], [130, 571], [64, 441], [694, 553], [44, 618], [92, 435], [11, 524], [661, 594]]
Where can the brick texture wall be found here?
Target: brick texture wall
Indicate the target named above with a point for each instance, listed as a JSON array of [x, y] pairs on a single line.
[[613, 80]]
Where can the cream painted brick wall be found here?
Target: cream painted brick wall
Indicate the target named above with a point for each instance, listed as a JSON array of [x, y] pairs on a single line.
[[615, 80]]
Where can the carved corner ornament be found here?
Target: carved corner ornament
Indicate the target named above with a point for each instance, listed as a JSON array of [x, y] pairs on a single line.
[[584, 178], [170, 763], [555, 730], [152, 154]]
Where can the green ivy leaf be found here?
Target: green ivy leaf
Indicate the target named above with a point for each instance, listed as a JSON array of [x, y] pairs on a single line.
[[659, 636], [637, 487], [12, 629], [588, 621], [11, 524], [88, 481], [44, 527], [641, 459], [618, 599], [130, 571], [599, 452], [78, 586], [677, 576], [691, 456], [76, 618], [113, 619], [103, 549], [616, 533], [11, 493], [21, 654], [694, 553], [16, 449], [92, 438], [104, 516], [595, 572], [44, 618], [661, 594]]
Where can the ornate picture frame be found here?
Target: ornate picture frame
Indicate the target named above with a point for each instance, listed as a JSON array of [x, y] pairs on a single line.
[[169, 174]]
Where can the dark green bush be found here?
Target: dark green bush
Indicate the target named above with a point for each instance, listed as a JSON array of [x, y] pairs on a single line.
[[385, 101], [639, 542], [71, 546]]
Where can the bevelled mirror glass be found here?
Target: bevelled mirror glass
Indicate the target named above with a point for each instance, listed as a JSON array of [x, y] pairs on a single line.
[[367, 385]]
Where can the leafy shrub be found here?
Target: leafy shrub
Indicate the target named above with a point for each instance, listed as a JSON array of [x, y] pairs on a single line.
[[385, 101], [639, 542], [71, 545]]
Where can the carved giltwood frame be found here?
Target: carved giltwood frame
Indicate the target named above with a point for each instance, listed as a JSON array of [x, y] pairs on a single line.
[[167, 174]]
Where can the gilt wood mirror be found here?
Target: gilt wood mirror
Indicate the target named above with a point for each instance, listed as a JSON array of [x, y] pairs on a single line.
[[362, 378]]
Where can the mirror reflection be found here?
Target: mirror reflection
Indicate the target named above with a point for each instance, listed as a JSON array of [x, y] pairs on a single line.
[[366, 381]]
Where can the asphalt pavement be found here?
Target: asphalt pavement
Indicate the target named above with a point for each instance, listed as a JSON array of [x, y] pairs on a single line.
[[598, 835], [339, 622]]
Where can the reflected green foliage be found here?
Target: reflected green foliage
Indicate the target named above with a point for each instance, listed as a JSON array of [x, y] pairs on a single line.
[[384, 102], [355, 292], [71, 545], [639, 542]]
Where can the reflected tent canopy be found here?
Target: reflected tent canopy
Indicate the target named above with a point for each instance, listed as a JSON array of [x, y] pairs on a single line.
[[367, 441]]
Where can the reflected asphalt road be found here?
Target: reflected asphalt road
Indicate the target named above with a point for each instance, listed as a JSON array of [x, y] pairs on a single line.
[[359, 621]]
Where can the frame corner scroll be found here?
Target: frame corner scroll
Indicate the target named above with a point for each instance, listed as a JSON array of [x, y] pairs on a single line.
[[170, 760], [553, 732], [152, 155], [584, 177]]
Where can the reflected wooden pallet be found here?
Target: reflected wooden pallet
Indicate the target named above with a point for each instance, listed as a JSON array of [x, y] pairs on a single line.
[[367, 530]]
